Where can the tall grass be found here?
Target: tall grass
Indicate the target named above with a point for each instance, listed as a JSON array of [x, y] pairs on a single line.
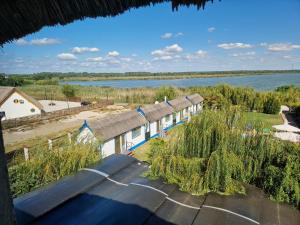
[[219, 151], [45, 166]]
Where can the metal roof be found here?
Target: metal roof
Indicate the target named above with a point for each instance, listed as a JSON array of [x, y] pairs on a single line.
[[116, 192]]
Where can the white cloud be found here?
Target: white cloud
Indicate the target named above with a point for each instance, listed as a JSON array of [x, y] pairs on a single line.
[[126, 59], [95, 59], [234, 45], [179, 34], [211, 29], [21, 41], [166, 36], [165, 57], [66, 56], [244, 54], [41, 41], [169, 50], [79, 50], [276, 47], [113, 54], [201, 53], [45, 41]]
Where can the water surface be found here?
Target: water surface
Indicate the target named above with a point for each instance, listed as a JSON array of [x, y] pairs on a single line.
[[258, 82]]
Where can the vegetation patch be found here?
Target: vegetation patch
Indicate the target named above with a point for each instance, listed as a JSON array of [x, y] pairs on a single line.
[[218, 151], [46, 166]]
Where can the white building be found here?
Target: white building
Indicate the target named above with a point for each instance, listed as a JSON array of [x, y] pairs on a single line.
[[119, 133], [197, 103], [182, 108], [16, 103], [159, 117]]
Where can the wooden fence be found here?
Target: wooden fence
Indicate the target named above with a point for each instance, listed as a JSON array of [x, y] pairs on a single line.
[[24, 154], [48, 116]]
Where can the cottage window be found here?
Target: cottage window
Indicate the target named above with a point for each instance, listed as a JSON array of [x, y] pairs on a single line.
[[136, 132], [32, 110], [16, 101], [21, 101], [168, 118]]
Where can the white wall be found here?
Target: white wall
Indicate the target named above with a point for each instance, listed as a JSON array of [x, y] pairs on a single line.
[[15, 110], [185, 113], [153, 128], [108, 148], [165, 123], [136, 140], [86, 136], [177, 117]]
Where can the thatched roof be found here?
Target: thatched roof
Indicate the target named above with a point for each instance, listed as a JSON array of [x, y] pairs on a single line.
[[112, 126], [180, 103], [157, 111], [21, 17], [6, 92], [195, 98]]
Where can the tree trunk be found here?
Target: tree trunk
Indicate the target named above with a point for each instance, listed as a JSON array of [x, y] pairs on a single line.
[[7, 216]]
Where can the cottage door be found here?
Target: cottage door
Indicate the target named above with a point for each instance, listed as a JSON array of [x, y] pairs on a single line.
[[118, 145]]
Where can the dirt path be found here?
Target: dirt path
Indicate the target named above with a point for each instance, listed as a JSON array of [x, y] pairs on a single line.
[[56, 127]]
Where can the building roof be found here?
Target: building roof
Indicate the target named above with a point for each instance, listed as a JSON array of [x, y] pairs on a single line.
[[116, 192], [30, 16], [180, 103], [6, 92], [195, 98], [114, 125], [157, 111]]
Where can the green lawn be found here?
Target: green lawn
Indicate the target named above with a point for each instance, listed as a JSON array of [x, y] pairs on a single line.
[[141, 153], [268, 120]]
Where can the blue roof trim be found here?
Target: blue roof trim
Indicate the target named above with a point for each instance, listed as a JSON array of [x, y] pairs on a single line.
[[85, 125], [139, 110]]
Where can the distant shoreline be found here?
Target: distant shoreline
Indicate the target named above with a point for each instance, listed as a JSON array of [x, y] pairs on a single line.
[[166, 77]]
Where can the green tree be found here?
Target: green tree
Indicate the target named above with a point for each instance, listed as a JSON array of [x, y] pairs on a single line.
[[271, 105], [68, 91]]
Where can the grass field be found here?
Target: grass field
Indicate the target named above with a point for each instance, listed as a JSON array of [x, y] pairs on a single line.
[[268, 120]]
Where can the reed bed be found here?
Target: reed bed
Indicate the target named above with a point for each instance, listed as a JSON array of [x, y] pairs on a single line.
[[219, 151], [45, 166]]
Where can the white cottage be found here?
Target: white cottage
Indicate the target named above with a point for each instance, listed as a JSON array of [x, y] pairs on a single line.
[[16, 103], [159, 117], [197, 103], [181, 107], [119, 133]]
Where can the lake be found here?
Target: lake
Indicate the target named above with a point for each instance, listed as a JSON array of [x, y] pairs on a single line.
[[258, 82]]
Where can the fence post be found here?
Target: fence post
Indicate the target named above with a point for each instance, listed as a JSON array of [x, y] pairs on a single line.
[[26, 154], [50, 144], [70, 138]]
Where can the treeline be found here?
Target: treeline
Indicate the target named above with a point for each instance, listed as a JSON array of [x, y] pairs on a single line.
[[220, 151], [61, 76], [11, 81]]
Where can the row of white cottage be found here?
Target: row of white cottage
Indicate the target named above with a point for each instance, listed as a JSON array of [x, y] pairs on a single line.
[[124, 132]]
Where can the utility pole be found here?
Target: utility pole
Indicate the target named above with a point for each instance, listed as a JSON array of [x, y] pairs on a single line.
[[7, 215]]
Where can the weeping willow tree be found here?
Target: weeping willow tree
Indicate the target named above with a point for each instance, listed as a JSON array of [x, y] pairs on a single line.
[[219, 151]]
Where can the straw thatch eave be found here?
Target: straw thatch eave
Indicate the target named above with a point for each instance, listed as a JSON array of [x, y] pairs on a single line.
[[21, 17]]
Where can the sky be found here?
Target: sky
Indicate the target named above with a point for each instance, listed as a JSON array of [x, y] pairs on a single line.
[[227, 35]]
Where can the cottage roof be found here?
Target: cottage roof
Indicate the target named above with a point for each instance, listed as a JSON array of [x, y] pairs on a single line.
[[6, 92], [31, 15], [180, 103], [157, 111], [114, 125], [195, 98]]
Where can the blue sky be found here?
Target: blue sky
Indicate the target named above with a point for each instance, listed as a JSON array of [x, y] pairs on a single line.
[[227, 35]]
